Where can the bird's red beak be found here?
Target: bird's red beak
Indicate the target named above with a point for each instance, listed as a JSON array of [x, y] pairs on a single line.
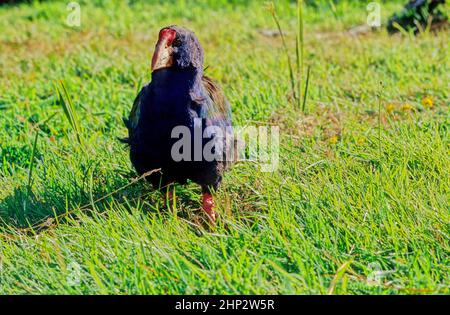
[[162, 57]]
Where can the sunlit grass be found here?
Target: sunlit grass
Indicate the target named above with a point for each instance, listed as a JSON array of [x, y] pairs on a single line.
[[321, 224]]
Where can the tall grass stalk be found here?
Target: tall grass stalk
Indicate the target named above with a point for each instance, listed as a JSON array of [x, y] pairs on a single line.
[[380, 148], [297, 79], [300, 50], [286, 50], [30, 170], [69, 110], [305, 95]]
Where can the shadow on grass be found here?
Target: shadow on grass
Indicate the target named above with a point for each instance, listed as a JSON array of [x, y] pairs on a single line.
[[36, 211], [25, 208]]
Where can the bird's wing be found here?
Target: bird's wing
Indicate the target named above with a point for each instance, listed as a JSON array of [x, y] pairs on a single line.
[[217, 110], [216, 107]]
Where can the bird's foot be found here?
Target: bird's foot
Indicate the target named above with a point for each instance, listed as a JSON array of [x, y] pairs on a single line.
[[208, 207]]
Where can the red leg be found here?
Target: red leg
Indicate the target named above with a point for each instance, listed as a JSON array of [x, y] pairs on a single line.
[[168, 197], [208, 206]]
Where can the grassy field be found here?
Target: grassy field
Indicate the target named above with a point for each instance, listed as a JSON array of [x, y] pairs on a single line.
[[359, 204]]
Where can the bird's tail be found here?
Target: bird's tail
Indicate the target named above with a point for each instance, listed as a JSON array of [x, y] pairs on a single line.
[[127, 123]]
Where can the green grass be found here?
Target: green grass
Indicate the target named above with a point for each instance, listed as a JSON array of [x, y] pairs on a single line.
[[349, 201]]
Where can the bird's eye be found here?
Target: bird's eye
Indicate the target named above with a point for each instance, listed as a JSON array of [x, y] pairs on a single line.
[[176, 42]]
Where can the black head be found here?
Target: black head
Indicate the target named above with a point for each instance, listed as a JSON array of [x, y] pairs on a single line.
[[177, 47]]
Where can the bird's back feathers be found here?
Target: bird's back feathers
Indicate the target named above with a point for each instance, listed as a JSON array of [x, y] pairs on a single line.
[[215, 107]]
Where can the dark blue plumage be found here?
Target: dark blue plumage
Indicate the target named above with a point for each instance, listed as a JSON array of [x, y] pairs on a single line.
[[178, 95]]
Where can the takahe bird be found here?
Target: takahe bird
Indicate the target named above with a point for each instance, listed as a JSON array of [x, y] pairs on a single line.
[[179, 95]]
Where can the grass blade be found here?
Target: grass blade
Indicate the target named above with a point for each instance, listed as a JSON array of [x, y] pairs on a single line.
[[30, 171], [69, 110], [299, 49], [305, 93], [286, 50], [339, 273], [33, 153]]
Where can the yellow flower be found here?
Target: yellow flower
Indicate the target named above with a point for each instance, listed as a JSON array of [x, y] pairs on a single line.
[[390, 108], [360, 140], [333, 140], [427, 102], [407, 107]]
